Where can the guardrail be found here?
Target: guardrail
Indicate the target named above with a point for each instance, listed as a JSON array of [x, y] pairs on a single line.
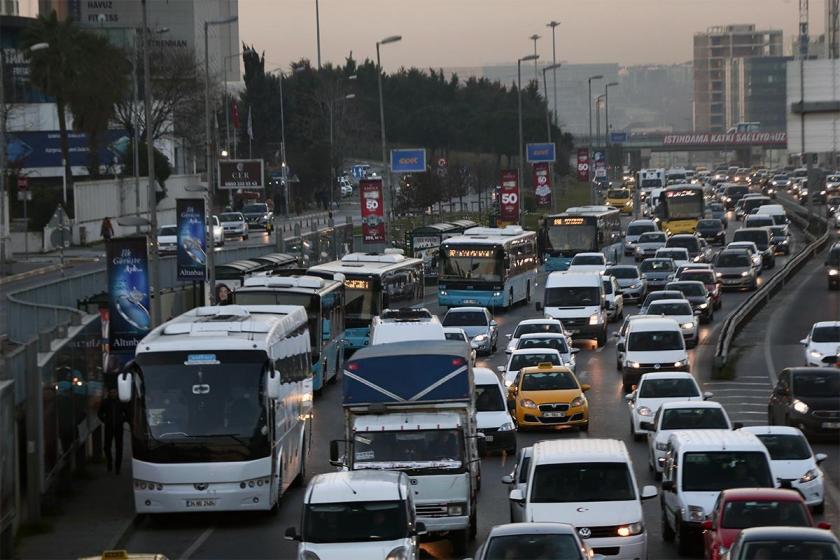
[[736, 321]]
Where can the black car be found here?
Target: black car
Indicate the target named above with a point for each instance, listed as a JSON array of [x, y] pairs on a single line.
[[698, 296], [780, 238], [712, 230], [807, 398], [832, 267], [733, 193], [259, 215]]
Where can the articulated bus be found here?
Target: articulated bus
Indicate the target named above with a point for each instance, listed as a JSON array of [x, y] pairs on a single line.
[[680, 207], [580, 229], [324, 303], [491, 267], [372, 282], [221, 399]]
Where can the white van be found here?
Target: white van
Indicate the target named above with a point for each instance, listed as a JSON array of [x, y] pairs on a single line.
[[651, 344], [400, 325], [589, 483], [358, 514], [775, 211], [577, 299], [697, 466], [492, 416]]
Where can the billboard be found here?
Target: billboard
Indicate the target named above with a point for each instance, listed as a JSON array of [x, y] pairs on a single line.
[[373, 211], [191, 253], [43, 148], [241, 174], [773, 139], [408, 161], [541, 152], [128, 293], [509, 196], [583, 164], [542, 184]]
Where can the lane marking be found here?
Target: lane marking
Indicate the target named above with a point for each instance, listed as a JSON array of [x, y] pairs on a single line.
[[197, 543]]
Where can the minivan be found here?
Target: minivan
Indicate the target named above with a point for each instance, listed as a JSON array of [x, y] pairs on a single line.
[[577, 299], [761, 237], [651, 344]]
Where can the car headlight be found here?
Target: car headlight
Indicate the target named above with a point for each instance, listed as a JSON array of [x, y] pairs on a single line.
[[662, 446], [800, 407], [577, 401], [644, 411], [634, 365], [497, 294], [696, 514], [595, 318], [681, 363], [442, 292], [508, 382], [745, 273], [698, 258], [506, 427], [632, 529], [527, 403], [816, 355], [703, 306], [480, 338], [687, 325], [456, 509], [718, 274], [636, 286], [833, 272], [810, 475]]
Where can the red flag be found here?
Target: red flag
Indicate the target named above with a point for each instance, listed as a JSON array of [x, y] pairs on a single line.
[[234, 114]]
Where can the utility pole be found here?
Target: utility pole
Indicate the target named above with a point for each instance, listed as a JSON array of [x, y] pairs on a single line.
[[553, 25], [318, 32]]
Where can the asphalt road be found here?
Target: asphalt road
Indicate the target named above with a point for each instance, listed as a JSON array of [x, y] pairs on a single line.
[[261, 536]]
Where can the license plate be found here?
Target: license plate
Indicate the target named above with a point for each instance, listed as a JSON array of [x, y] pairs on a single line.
[[201, 503], [470, 301], [832, 425], [554, 414], [488, 438]]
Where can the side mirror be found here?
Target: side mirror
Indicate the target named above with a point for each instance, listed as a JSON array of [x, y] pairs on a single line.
[[630, 397], [707, 525], [516, 496], [272, 383], [500, 369], [124, 384], [620, 347], [647, 426], [335, 459], [507, 479], [820, 457], [509, 336], [292, 534], [708, 395], [649, 492], [420, 528], [538, 306], [668, 486], [585, 387], [803, 341], [824, 525]]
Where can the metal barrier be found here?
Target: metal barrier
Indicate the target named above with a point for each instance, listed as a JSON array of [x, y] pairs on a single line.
[[736, 321]]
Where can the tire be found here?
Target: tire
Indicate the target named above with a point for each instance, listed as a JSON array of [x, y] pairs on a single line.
[[819, 509], [460, 542], [602, 338], [584, 427], [667, 532], [473, 524], [245, 237], [684, 547]]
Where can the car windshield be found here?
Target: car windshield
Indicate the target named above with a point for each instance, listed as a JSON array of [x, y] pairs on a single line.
[[760, 513], [778, 231], [408, 449], [537, 546], [713, 471], [657, 265], [759, 221], [465, 319], [716, 207], [549, 381], [732, 260], [759, 237], [690, 289], [582, 482], [488, 398], [817, 384], [231, 217], [653, 341], [254, 208], [694, 419], [519, 361], [623, 272], [573, 296], [653, 237], [668, 388], [714, 225], [346, 522], [675, 254], [168, 230], [639, 229], [660, 308], [555, 343], [830, 333], [618, 193], [790, 548], [705, 276], [689, 243], [588, 259], [786, 447], [780, 178], [532, 328]]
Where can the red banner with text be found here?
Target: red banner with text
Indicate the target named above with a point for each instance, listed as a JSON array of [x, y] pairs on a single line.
[[509, 196], [373, 211], [542, 184], [583, 165]]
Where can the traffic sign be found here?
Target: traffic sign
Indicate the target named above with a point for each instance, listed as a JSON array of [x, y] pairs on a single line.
[[23, 183], [408, 161], [618, 137], [543, 152], [442, 162]]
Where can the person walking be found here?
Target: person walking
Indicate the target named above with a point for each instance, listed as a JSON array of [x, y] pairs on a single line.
[[107, 229], [112, 414]]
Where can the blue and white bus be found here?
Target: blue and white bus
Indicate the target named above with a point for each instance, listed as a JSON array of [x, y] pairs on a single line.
[[491, 267], [324, 303], [580, 229], [372, 282]]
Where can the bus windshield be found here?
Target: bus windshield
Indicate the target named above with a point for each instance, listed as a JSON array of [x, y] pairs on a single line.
[[472, 263], [361, 303], [571, 239], [683, 204]]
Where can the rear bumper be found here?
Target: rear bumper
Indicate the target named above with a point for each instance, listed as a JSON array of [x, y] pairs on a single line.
[[454, 298]]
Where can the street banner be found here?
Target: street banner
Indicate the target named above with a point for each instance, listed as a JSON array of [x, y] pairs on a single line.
[[128, 293], [583, 165], [543, 152], [408, 161], [373, 211], [600, 160], [241, 174], [509, 196], [192, 242], [542, 184]]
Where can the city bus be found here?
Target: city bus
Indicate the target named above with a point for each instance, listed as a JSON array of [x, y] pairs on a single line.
[[680, 207], [581, 229], [372, 282], [220, 406], [324, 303], [490, 267]]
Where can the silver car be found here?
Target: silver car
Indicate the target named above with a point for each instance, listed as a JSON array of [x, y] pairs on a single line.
[[630, 280], [535, 540], [479, 325], [658, 272], [734, 269], [234, 224], [649, 243]]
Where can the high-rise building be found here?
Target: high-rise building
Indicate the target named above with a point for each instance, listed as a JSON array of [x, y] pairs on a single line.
[[9, 8], [756, 91], [713, 51]]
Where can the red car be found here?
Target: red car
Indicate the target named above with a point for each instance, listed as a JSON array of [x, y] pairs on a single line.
[[742, 508], [708, 279]]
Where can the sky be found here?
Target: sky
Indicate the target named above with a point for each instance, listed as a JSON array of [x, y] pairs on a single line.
[[463, 33]]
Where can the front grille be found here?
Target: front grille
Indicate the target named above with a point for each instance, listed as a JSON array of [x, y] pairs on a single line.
[[575, 322], [431, 510], [601, 532], [731, 276], [827, 413], [553, 420], [607, 550], [554, 407]]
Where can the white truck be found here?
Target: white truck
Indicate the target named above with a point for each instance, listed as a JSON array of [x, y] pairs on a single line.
[[409, 406]]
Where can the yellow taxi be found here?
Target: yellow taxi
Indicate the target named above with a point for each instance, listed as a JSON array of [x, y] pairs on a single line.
[[547, 395], [621, 199]]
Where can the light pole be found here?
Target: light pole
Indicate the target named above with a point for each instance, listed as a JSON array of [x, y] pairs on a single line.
[[227, 105], [607, 121], [553, 25], [554, 66], [589, 146], [534, 38], [519, 101], [331, 107], [318, 32], [385, 167]]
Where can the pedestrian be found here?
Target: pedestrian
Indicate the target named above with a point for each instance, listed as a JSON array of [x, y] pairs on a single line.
[[112, 414], [107, 229]]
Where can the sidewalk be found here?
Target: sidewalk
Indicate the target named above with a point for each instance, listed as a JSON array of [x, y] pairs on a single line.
[[89, 517]]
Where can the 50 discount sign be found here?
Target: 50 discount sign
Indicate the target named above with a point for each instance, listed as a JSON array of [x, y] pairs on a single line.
[[373, 215], [509, 196]]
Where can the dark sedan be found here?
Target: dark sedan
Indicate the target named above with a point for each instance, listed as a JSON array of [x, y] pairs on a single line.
[[712, 230], [709, 280], [807, 398], [784, 542], [698, 296]]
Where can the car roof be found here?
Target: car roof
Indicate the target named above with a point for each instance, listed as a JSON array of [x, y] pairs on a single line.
[[485, 376], [615, 266], [593, 450], [539, 322], [661, 302], [773, 430], [692, 404], [642, 221], [351, 486], [787, 533], [676, 293], [531, 336], [552, 528], [688, 282], [467, 309], [547, 369], [590, 254], [684, 235], [654, 323], [778, 494], [666, 375], [826, 324], [534, 351]]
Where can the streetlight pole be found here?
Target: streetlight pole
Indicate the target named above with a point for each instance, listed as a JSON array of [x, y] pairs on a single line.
[[607, 121], [318, 32], [519, 62], [545, 94], [589, 147], [385, 167], [534, 38], [332, 141], [553, 25]]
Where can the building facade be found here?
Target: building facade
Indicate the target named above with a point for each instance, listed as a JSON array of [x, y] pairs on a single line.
[[713, 51], [755, 91]]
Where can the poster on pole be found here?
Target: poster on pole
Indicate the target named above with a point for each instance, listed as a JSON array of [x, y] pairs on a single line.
[[509, 196], [583, 165], [128, 293], [373, 211], [542, 184], [192, 242]]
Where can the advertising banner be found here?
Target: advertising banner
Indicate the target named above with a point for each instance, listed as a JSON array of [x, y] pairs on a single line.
[[772, 139], [543, 152], [373, 211], [128, 293], [509, 196], [241, 174], [408, 161], [192, 241], [583, 165], [542, 184], [600, 159]]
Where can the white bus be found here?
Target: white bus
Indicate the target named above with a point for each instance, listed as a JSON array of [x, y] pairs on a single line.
[[221, 399]]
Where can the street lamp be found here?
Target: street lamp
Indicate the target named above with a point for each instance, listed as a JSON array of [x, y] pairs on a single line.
[[386, 167], [209, 240], [554, 66], [589, 146], [534, 38], [553, 25], [607, 120], [519, 100]]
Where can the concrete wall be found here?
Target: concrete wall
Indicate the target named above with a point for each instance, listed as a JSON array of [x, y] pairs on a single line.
[[822, 84]]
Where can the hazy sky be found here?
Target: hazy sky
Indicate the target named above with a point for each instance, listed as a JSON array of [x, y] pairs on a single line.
[[445, 33]]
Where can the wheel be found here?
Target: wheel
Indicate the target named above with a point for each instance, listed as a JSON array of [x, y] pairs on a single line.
[[584, 427], [667, 532], [602, 337], [683, 544], [460, 542], [618, 366], [819, 509], [473, 524], [245, 237]]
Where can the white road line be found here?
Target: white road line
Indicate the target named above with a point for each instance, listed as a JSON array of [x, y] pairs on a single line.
[[747, 412], [732, 383], [197, 543]]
